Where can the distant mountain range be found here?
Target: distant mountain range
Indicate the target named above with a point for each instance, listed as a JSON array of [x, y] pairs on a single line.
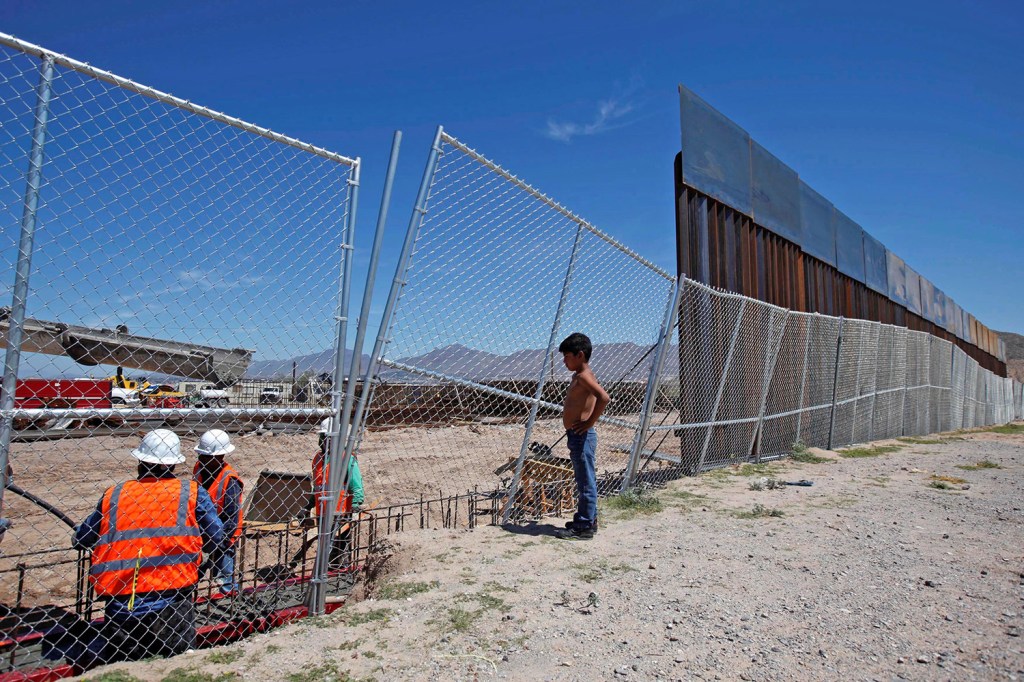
[[611, 362], [316, 363]]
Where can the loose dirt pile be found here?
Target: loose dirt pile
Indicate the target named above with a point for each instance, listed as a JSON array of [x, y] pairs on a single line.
[[902, 562]]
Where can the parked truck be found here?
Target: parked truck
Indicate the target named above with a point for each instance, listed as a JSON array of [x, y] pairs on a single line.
[[59, 394], [208, 396]]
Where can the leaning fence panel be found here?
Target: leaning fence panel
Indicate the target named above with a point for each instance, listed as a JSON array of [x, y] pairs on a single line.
[[471, 394], [185, 276]]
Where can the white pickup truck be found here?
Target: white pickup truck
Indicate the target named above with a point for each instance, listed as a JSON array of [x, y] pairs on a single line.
[[208, 396]]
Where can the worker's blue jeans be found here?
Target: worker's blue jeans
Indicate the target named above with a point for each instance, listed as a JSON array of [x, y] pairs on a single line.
[[583, 453], [224, 569]]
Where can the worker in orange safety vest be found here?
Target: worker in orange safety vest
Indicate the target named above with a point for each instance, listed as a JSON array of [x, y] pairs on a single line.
[[224, 485], [147, 538], [349, 500]]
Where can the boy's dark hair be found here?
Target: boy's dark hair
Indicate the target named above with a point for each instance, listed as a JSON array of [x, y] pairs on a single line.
[[574, 343]]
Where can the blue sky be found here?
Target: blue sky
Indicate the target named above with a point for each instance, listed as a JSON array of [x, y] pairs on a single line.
[[907, 116]]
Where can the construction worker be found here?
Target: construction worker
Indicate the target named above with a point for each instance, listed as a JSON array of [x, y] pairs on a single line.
[[225, 488], [147, 538], [349, 501]]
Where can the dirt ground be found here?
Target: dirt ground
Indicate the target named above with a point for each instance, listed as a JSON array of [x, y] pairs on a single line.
[[878, 571]]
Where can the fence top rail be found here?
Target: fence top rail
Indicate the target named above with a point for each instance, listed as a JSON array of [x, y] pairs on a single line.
[[146, 91], [537, 194], [722, 293]]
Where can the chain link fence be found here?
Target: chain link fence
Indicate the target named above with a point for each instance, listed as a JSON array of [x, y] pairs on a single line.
[[468, 395], [170, 264]]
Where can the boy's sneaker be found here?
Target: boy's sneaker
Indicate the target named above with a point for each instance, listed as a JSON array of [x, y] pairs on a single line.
[[577, 533], [570, 525]]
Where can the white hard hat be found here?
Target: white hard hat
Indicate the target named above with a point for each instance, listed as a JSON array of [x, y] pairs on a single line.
[[325, 425], [215, 442], [160, 446]]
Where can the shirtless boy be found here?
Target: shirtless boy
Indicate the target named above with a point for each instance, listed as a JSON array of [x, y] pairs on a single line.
[[584, 403]]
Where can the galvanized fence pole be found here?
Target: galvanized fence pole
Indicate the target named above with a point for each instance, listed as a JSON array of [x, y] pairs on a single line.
[[803, 377], [721, 386], [542, 379], [906, 371], [770, 362], [364, 314], [651, 396], [23, 268], [317, 591], [835, 383]]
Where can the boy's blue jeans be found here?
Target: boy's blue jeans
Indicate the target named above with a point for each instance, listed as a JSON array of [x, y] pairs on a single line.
[[582, 452]]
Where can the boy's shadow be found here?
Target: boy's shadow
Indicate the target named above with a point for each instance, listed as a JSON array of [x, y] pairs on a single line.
[[533, 529]]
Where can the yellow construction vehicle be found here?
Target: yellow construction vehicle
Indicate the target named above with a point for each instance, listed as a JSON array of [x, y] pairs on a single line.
[[124, 391]]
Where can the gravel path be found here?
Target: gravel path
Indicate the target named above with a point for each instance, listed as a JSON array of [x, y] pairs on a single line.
[[870, 574]]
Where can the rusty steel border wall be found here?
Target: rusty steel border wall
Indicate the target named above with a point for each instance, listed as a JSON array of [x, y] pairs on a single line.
[[745, 222]]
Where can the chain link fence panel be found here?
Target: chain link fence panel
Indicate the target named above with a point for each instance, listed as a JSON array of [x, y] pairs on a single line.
[[916, 413], [180, 270], [783, 410], [472, 383], [940, 368], [890, 382]]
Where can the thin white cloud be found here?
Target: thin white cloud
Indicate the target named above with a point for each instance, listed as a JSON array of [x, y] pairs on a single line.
[[608, 112]]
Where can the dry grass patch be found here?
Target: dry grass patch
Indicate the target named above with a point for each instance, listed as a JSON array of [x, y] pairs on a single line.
[[870, 451], [983, 464]]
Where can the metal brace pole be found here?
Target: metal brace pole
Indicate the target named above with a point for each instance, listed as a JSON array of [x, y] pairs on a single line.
[[16, 328], [541, 381], [317, 582], [397, 284], [770, 363], [835, 383], [352, 425], [721, 386], [650, 398], [803, 378]]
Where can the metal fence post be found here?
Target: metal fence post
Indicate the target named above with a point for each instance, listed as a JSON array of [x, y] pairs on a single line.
[[803, 377], [835, 383], [721, 385], [317, 591], [651, 396], [770, 362], [874, 393], [23, 268], [541, 380]]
